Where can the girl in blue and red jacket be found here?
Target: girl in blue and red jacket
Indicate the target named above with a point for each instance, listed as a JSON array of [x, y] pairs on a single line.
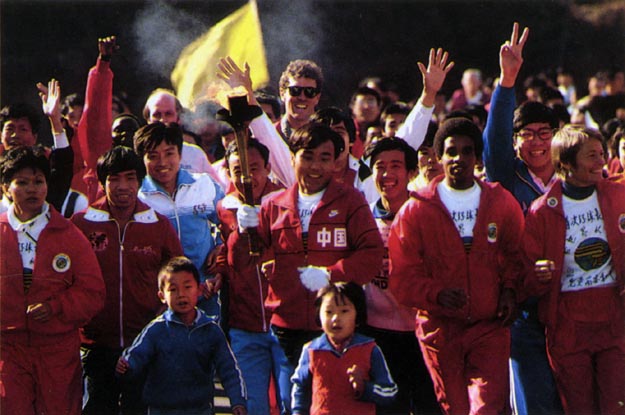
[[341, 372]]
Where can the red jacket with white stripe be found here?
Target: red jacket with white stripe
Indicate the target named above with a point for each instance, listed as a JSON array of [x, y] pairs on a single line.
[[66, 275], [428, 255], [130, 261], [342, 236], [247, 286]]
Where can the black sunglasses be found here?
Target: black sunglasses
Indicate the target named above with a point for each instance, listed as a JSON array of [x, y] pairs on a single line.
[[309, 91]]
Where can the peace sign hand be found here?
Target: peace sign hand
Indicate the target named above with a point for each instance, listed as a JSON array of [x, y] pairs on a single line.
[[511, 56]]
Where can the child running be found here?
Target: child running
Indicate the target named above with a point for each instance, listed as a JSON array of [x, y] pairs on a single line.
[[181, 349], [341, 372]]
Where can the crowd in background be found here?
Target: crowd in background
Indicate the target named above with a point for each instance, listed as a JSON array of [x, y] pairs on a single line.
[[461, 254]]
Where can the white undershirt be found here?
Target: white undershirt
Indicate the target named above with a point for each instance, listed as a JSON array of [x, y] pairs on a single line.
[[28, 233], [587, 256], [462, 205], [306, 205]]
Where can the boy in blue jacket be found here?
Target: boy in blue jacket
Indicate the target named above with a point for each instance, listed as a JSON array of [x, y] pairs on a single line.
[[181, 349]]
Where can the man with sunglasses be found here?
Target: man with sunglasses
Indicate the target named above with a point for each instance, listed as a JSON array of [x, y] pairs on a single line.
[[517, 153], [300, 90]]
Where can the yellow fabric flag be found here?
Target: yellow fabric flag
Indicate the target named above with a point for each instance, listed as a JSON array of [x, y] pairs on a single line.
[[239, 36]]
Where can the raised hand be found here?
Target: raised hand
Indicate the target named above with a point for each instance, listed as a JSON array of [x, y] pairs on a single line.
[[434, 75], [511, 56], [107, 45], [230, 72], [50, 98]]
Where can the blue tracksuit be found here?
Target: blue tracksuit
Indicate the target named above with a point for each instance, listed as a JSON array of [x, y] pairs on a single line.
[[534, 390], [180, 362]]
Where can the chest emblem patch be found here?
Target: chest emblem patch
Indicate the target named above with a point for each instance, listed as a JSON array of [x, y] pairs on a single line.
[[61, 262], [491, 232], [552, 202]]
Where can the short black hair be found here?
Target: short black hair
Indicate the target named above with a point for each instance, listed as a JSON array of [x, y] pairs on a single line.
[[177, 264], [395, 108], [251, 143], [549, 93], [533, 112], [269, 99], [20, 110], [344, 290], [23, 157], [365, 90], [312, 135], [331, 116], [392, 143], [428, 141], [455, 127], [117, 160], [475, 110], [149, 136], [72, 100]]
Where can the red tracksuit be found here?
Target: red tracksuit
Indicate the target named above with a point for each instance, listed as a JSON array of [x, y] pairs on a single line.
[[41, 371], [130, 259], [247, 287], [466, 350], [585, 329], [342, 236]]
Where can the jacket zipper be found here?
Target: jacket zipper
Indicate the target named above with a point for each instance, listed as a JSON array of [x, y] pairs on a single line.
[[121, 236], [260, 297]]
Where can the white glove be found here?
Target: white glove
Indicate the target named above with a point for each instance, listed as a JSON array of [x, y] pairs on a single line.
[[314, 278], [247, 216]]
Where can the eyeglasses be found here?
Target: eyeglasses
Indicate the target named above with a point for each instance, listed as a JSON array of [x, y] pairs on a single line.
[[309, 91], [542, 133]]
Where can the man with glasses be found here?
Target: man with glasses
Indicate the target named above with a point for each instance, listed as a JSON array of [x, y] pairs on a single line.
[[300, 90], [517, 153]]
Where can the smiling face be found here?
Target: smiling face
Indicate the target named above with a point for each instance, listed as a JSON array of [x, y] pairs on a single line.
[[27, 190], [533, 145], [121, 189], [589, 162], [338, 319], [299, 108], [391, 175], [180, 292], [429, 166], [458, 161], [162, 164], [314, 167], [258, 172], [17, 132]]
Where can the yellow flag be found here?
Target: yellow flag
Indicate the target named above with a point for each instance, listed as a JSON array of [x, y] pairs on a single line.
[[239, 36]]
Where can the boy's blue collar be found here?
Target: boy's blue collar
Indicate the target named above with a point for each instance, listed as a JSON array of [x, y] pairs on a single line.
[[200, 317]]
